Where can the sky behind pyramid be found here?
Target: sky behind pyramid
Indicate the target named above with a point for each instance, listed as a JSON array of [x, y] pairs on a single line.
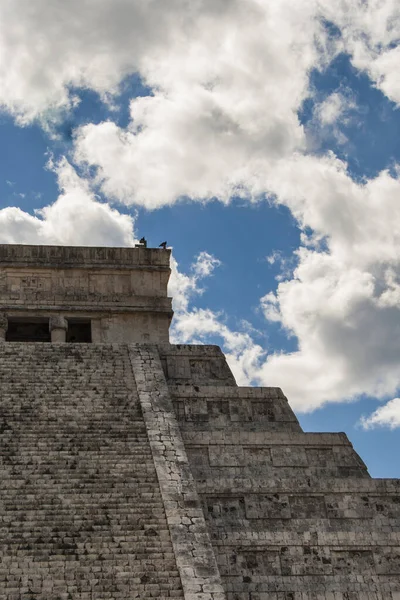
[[261, 140]]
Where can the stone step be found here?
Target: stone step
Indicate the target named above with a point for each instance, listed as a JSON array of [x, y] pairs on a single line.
[[80, 506]]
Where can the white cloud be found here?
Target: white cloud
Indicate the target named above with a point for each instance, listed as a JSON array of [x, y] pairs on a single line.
[[183, 288], [74, 218], [331, 115], [370, 34], [230, 47], [342, 301], [224, 107], [205, 264], [194, 325], [331, 108], [48, 48], [226, 96], [274, 257], [385, 416], [228, 79]]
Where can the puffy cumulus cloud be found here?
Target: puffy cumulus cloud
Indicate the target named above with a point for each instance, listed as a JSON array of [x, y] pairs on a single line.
[[194, 325], [184, 287], [228, 78], [385, 416], [205, 264], [74, 218], [225, 101], [224, 106], [342, 302], [331, 108], [244, 49], [226, 85], [357, 219], [370, 33], [330, 115], [48, 48]]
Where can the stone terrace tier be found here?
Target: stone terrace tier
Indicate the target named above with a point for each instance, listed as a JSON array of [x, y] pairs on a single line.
[[81, 512], [143, 471], [83, 256], [291, 515]]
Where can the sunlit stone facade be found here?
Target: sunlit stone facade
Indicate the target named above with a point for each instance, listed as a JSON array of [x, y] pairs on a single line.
[[133, 468]]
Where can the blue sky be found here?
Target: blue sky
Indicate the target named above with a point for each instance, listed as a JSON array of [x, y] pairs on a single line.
[[262, 143]]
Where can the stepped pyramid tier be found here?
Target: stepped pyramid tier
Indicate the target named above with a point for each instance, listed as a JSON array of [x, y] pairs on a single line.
[[132, 468]]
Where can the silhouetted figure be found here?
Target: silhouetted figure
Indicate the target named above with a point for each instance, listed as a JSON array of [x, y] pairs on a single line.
[[163, 245], [142, 243]]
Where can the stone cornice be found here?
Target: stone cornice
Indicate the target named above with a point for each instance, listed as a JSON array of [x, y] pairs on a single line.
[[61, 257]]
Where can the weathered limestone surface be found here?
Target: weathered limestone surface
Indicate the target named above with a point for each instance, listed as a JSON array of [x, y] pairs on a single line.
[[81, 514], [58, 326], [3, 326], [292, 515], [185, 365], [122, 290], [139, 469]]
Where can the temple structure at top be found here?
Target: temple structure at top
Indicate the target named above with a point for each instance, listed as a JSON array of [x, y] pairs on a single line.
[[84, 294]]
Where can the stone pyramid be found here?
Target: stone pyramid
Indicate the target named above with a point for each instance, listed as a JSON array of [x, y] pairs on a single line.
[[132, 468]]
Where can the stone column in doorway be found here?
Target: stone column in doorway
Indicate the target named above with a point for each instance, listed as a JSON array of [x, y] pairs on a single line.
[[58, 328], [3, 326]]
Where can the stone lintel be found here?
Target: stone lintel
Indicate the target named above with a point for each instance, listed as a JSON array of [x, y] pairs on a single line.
[[141, 304]]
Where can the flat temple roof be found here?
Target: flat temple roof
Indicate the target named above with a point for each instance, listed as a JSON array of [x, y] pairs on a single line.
[[20, 255]]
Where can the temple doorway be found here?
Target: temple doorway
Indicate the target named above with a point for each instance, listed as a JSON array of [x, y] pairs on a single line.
[[79, 331], [30, 329]]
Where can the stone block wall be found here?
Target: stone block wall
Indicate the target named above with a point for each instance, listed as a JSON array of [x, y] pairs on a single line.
[[143, 471], [122, 291], [81, 512], [292, 515], [188, 365]]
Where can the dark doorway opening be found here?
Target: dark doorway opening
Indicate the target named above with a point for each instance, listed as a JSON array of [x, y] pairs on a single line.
[[79, 331], [28, 330]]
